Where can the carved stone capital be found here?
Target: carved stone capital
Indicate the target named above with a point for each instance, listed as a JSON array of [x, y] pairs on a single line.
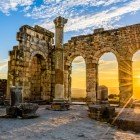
[[60, 22]]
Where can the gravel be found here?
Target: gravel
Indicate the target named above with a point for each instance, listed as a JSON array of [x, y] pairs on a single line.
[[61, 125]]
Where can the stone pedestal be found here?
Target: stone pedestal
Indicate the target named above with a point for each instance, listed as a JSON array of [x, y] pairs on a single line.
[[60, 105], [102, 110]]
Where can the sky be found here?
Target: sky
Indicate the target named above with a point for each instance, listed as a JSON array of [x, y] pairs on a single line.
[[83, 17]]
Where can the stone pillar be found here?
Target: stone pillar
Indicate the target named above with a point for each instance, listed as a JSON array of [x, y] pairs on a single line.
[[91, 82], [125, 81], [59, 102]]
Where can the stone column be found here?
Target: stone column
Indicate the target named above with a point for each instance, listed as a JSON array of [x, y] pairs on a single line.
[[125, 81], [91, 82], [59, 102]]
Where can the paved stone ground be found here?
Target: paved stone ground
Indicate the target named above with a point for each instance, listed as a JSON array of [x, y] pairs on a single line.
[[67, 125]]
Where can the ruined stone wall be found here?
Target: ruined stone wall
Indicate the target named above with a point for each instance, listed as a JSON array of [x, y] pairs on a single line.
[[122, 42], [30, 64]]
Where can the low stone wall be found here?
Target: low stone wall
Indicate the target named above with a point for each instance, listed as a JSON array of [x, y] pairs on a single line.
[[128, 125]]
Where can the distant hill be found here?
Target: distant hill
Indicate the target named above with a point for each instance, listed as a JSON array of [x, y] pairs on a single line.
[[76, 92]]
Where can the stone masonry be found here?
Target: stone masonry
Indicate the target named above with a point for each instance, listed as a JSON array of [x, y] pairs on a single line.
[[32, 63]]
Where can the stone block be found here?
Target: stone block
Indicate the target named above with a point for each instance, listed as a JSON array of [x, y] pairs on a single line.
[[101, 112], [28, 110]]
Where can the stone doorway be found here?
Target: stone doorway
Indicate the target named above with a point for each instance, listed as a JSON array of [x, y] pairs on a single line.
[[37, 69], [108, 76]]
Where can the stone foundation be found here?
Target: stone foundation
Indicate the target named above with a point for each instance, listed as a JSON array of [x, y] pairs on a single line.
[[60, 105]]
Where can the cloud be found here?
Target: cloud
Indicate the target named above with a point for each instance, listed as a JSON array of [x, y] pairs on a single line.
[[78, 60], [83, 14], [7, 5], [136, 56], [107, 62]]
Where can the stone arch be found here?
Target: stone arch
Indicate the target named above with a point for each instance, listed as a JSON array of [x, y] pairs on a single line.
[[68, 70], [69, 59], [114, 79], [134, 50], [100, 52], [72, 71], [35, 80], [34, 53], [126, 74]]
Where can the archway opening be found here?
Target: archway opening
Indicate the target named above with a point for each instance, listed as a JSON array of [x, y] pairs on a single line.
[[108, 76], [78, 89], [37, 68], [136, 75]]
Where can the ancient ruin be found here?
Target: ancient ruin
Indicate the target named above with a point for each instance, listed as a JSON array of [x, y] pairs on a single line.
[[44, 69]]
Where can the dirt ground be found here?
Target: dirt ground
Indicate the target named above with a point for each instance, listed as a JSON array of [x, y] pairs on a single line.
[[61, 125]]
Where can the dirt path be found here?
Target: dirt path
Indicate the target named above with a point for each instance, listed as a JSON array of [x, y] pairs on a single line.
[[67, 125]]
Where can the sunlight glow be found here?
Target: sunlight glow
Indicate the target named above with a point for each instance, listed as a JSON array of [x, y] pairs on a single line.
[[78, 77], [136, 75], [108, 72]]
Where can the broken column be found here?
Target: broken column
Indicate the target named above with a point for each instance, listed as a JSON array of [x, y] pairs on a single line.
[[16, 95], [59, 102], [102, 94], [17, 108], [15, 100]]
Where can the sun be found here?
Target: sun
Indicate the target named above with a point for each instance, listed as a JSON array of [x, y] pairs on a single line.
[[136, 86]]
